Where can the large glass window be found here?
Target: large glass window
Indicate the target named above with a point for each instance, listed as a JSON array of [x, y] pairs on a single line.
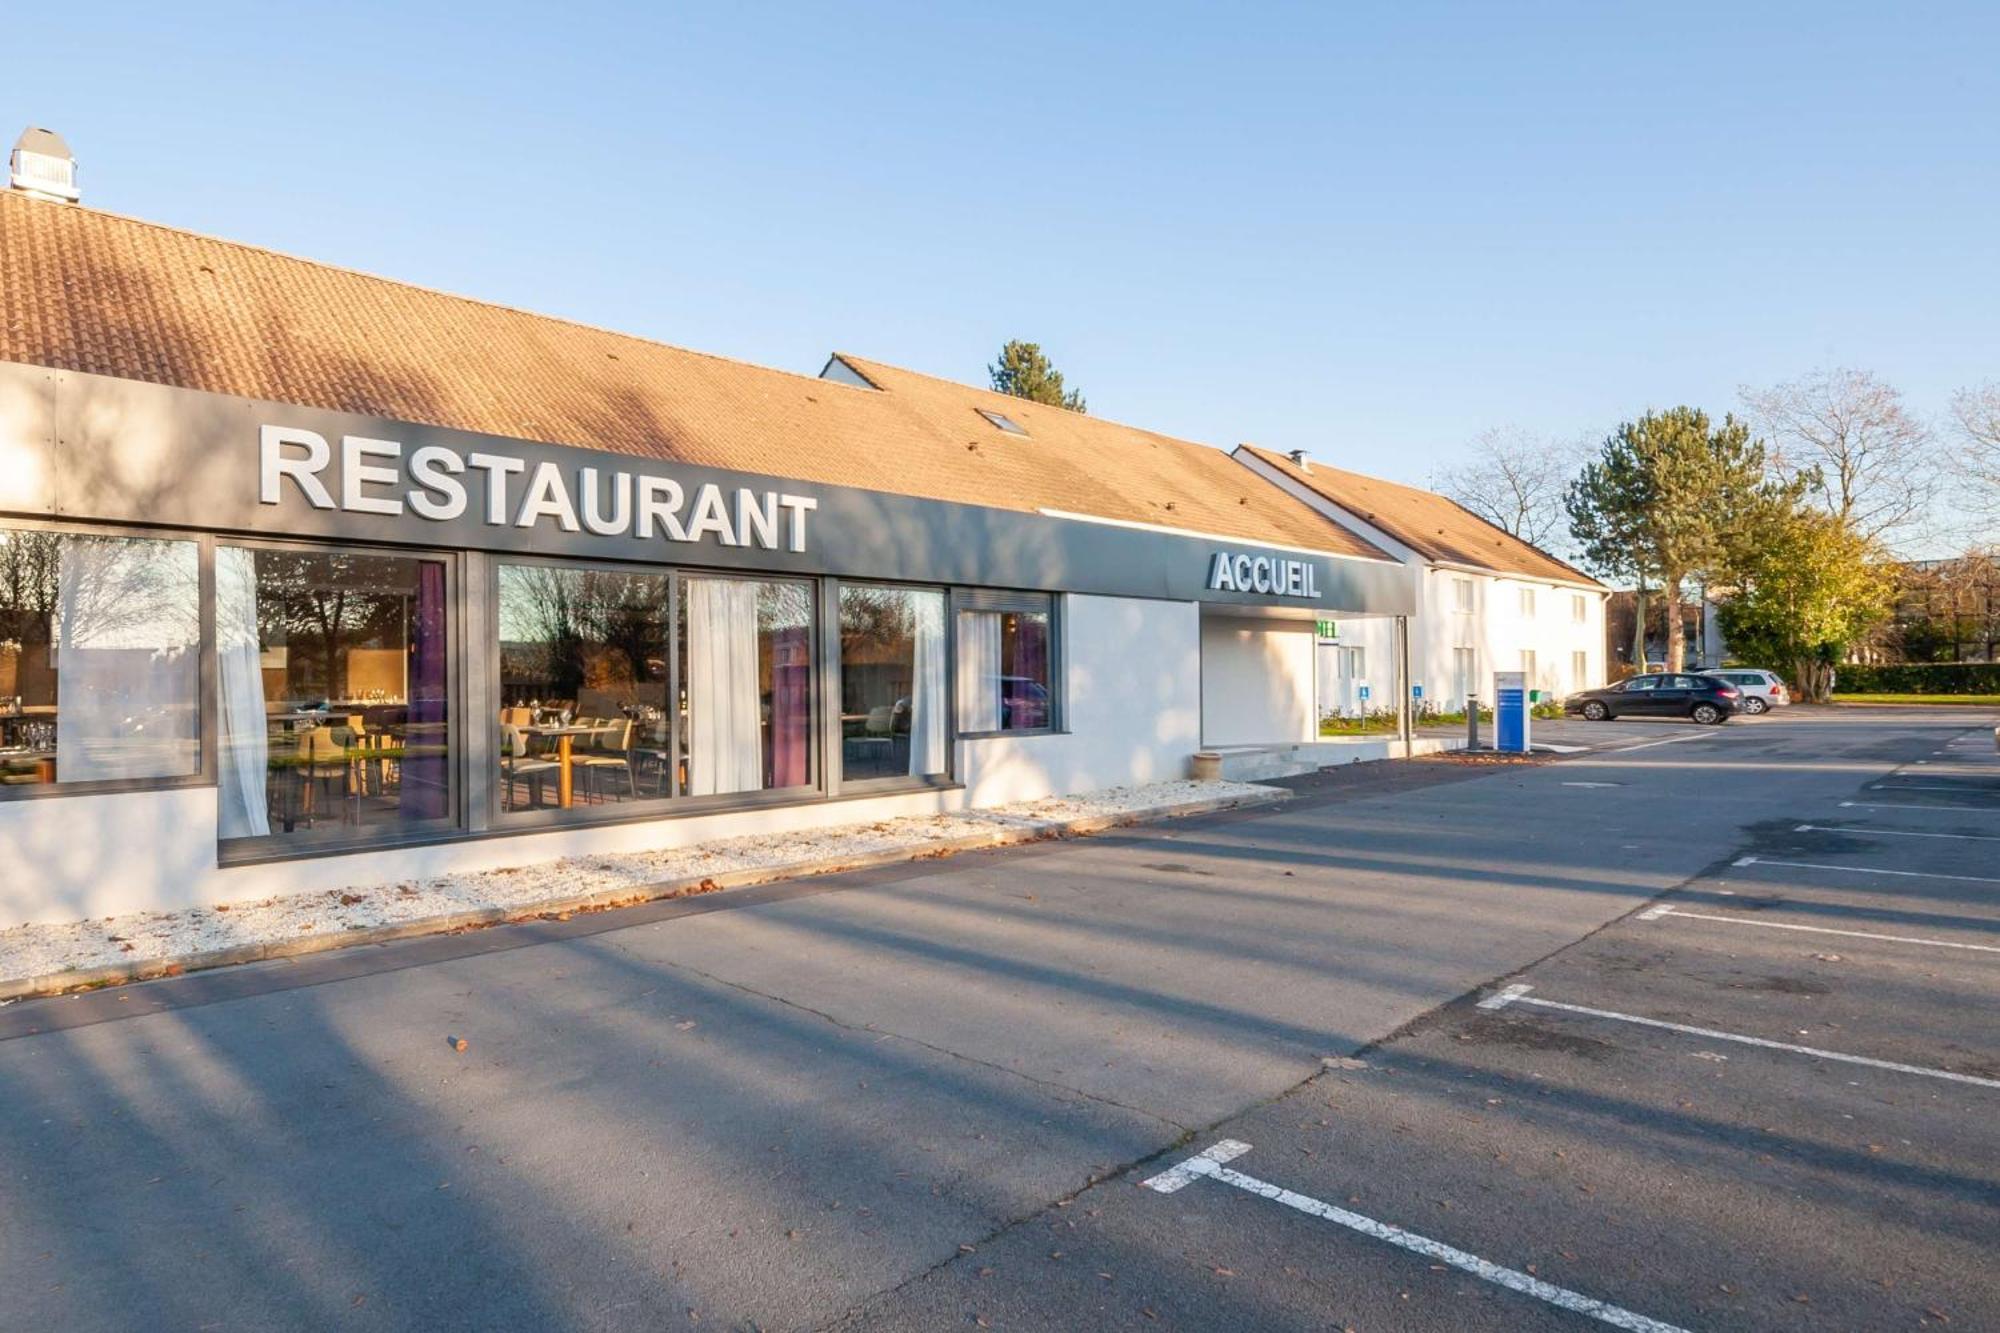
[[334, 692], [892, 682], [100, 658], [583, 688], [1004, 671], [745, 649]]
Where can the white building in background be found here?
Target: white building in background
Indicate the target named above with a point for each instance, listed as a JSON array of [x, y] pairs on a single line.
[[1486, 601]]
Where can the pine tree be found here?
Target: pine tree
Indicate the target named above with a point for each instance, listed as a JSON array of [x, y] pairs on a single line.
[[1663, 499], [1024, 371]]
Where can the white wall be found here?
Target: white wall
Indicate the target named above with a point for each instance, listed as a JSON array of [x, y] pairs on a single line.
[[1257, 681], [1499, 630], [1376, 638], [1134, 706]]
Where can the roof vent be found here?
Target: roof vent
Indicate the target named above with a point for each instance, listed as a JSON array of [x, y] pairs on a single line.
[[41, 165], [1300, 461]]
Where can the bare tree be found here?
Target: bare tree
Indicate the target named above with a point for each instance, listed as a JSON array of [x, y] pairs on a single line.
[[1515, 480], [1869, 457], [1976, 416]]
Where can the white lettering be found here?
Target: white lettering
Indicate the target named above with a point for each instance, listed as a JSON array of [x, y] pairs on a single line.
[[660, 501], [797, 507], [758, 518], [354, 474], [1237, 571], [1219, 576], [271, 442], [621, 503], [497, 469], [434, 468], [548, 496], [710, 514]]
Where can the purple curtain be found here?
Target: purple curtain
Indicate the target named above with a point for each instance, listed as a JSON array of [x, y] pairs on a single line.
[[788, 762], [426, 784]]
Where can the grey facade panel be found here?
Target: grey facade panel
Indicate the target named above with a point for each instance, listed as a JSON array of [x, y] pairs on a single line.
[[122, 451]]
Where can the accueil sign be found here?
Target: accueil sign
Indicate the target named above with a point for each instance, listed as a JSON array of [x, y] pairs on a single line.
[[437, 483], [1237, 571]]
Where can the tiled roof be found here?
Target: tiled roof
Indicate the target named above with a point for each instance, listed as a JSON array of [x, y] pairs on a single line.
[[1426, 522], [94, 292]]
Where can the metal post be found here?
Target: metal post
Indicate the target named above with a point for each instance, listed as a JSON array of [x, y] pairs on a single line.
[[1405, 727], [1471, 721]]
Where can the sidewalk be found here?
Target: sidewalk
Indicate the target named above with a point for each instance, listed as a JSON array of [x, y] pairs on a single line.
[[45, 959]]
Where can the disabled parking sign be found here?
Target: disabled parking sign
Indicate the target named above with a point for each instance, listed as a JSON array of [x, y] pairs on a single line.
[[1510, 711]]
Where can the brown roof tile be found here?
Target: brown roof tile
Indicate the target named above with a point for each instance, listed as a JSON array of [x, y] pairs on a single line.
[[94, 292], [1426, 522]]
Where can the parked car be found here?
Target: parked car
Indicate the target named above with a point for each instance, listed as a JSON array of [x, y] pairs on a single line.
[[1761, 690], [1668, 694]]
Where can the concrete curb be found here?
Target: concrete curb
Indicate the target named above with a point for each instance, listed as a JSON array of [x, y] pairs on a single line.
[[57, 983]]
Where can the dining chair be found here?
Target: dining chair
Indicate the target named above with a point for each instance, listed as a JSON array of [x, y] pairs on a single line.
[[516, 762], [612, 749]]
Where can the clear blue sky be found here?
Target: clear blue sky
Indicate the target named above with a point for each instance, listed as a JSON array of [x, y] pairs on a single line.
[[1368, 232]]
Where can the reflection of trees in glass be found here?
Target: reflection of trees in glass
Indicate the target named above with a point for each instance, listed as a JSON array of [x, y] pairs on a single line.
[[125, 594], [568, 629], [320, 605], [27, 607]]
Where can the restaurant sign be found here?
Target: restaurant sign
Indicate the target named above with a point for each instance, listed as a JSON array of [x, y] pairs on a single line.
[[438, 483]]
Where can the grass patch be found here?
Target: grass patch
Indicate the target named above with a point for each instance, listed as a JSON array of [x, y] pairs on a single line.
[[1375, 724], [1970, 700]]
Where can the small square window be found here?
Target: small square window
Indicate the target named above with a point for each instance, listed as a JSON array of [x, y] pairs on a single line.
[[1579, 610], [1528, 603], [1002, 421], [1461, 591]]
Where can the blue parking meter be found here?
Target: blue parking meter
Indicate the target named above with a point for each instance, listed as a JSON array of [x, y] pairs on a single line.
[[1510, 711]]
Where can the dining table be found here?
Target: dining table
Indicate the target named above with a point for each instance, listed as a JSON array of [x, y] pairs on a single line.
[[563, 736]]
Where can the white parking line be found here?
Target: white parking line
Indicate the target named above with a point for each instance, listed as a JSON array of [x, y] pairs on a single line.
[[1929, 786], [1865, 870], [1892, 832], [1671, 740], [1518, 994], [1210, 1163], [1655, 913], [1903, 805]]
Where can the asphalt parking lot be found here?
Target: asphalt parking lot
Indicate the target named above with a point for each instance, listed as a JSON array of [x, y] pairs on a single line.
[[1753, 1082]]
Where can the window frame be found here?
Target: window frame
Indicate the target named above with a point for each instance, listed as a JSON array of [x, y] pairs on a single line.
[[504, 822], [839, 784], [1528, 602], [457, 824], [206, 735], [1463, 600], [1000, 599], [818, 788]]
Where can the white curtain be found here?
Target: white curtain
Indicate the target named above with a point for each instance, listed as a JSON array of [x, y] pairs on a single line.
[[927, 731], [725, 742], [128, 663], [242, 809], [979, 671]]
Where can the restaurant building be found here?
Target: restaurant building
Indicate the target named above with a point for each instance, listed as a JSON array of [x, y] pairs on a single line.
[[310, 579]]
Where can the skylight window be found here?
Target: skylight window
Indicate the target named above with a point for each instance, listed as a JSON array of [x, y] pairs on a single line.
[[1003, 421]]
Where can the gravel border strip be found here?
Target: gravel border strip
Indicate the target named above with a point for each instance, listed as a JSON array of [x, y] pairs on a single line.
[[80, 979]]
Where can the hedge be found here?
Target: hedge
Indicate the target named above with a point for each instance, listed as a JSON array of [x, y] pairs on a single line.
[[1919, 678]]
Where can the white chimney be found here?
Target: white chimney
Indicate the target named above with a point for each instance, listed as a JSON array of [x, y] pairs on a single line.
[[1300, 461], [41, 165]]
